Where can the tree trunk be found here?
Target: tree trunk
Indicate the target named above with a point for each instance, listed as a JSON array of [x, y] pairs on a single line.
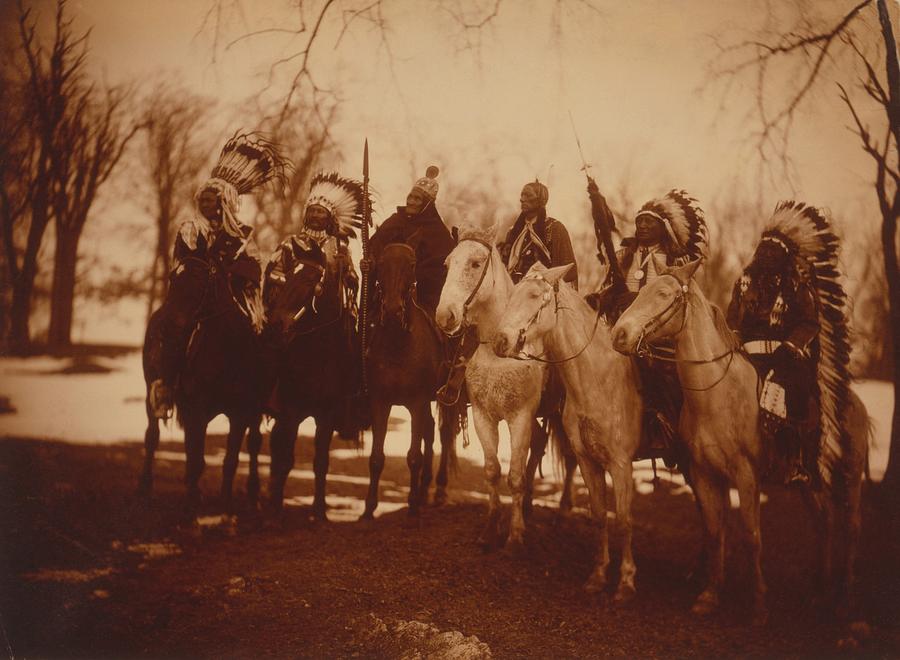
[[19, 315], [890, 214], [62, 298]]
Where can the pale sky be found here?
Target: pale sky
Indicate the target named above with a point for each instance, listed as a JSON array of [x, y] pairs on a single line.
[[497, 116]]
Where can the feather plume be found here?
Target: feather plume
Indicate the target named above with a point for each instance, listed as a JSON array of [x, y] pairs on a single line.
[[815, 246], [248, 160], [343, 198]]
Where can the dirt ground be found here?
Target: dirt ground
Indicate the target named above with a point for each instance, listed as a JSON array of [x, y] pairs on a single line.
[[90, 570]]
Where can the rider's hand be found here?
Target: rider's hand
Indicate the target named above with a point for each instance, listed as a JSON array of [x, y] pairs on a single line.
[[784, 354], [365, 265]]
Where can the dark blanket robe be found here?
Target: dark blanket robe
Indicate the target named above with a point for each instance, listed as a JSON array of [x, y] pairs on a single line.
[[555, 237], [427, 234]]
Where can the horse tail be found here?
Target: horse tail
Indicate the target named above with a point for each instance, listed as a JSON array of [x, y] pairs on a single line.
[[450, 424], [560, 445]]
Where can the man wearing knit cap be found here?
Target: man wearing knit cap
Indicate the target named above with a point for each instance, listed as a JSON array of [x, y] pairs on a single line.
[[420, 225], [536, 237]]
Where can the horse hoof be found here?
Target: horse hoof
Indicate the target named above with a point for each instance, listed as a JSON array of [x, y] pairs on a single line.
[[367, 516], [705, 604], [515, 548], [596, 584], [625, 593], [760, 618], [440, 497]]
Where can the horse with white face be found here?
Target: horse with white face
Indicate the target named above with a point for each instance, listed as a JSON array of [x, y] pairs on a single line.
[[547, 320], [475, 293]]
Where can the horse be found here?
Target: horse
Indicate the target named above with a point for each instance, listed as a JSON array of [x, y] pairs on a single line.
[[222, 374], [306, 337], [547, 320], [475, 293], [404, 364], [721, 425]]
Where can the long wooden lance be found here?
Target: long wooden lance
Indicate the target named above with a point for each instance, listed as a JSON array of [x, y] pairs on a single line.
[[364, 285], [604, 222]]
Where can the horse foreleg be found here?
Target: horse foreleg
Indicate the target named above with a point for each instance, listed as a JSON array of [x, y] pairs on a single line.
[[822, 514], [194, 442], [623, 487], [520, 436], [380, 414], [428, 460], [570, 464], [324, 431], [486, 430], [535, 456], [712, 496], [595, 479], [236, 429], [254, 445], [748, 492], [445, 429], [281, 447], [151, 443], [414, 457]]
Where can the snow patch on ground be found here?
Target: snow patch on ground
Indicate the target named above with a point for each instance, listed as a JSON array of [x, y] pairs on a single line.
[[107, 408], [67, 576]]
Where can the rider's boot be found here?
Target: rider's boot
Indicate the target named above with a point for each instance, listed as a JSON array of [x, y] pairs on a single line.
[[448, 394]]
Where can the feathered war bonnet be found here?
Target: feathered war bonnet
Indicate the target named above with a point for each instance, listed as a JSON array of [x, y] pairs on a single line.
[[246, 162], [343, 198], [807, 236], [683, 220]]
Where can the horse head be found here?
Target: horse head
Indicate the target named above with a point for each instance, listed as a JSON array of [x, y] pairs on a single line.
[[396, 282], [531, 311], [469, 278], [659, 310], [296, 296]]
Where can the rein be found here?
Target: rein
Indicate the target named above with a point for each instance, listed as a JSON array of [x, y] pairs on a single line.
[[464, 324], [521, 339], [644, 349]]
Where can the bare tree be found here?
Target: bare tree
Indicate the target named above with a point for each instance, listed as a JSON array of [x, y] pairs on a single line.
[[31, 131], [307, 143], [814, 46], [175, 155], [92, 140]]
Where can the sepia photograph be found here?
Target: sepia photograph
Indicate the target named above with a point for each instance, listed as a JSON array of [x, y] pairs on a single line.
[[449, 329]]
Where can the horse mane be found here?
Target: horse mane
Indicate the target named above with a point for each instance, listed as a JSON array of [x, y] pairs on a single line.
[[469, 231], [718, 317]]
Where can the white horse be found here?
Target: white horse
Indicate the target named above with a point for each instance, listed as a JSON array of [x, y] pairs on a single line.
[[547, 320], [475, 293]]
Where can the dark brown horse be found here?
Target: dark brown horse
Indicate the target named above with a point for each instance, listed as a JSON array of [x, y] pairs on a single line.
[[221, 374], [317, 365], [404, 365]]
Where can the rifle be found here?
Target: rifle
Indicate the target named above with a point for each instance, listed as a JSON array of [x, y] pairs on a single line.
[[364, 284], [604, 222]]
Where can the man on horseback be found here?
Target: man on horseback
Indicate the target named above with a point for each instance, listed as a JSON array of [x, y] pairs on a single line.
[[787, 310], [216, 240], [419, 224], [334, 208], [673, 227], [534, 237]]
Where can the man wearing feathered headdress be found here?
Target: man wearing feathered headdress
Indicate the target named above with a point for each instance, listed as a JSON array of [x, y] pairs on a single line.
[[419, 224], [334, 208], [672, 229], [216, 238], [788, 310]]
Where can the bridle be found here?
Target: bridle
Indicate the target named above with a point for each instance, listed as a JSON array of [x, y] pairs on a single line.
[[292, 332], [644, 349], [409, 294], [520, 354], [211, 271], [464, 323]]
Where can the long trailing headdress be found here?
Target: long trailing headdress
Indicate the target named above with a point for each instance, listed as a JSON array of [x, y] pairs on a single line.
[[343, 198], [806, 234], [683, 220], [246, 162]]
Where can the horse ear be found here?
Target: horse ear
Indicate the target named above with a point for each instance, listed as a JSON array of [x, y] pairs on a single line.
[[555, 274], [685, 272]]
